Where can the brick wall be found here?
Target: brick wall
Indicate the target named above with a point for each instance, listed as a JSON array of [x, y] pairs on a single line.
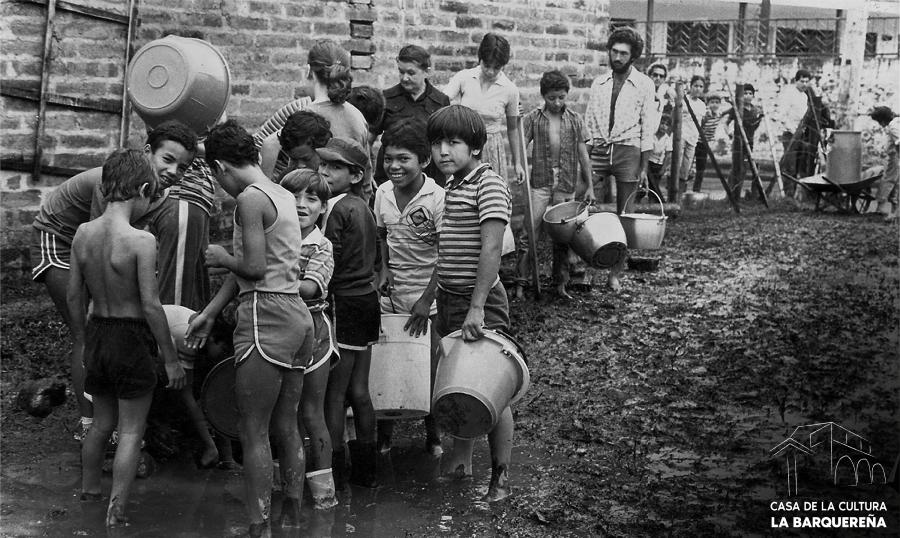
[[265, 43]]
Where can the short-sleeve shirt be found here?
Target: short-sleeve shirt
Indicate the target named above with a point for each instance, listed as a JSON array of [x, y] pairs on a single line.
[[317, 265], [571, 133], [69, 205], [468, 202], [400, 107], [494, 105], [412, 233]]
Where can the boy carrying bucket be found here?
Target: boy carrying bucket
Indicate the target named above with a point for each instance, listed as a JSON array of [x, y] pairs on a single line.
[[470, 297], [559, 157], [408, 213]]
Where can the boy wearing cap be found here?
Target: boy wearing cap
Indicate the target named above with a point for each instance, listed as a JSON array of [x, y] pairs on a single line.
[[350, 226]]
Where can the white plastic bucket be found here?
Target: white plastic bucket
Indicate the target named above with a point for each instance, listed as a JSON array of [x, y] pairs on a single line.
[[400, 375], [476, 381]]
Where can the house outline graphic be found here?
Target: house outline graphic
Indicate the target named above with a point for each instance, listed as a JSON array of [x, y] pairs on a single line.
[[846, 450]]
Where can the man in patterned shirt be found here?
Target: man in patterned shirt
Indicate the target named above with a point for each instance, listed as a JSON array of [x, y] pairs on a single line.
[[559, 158], [621, 120]]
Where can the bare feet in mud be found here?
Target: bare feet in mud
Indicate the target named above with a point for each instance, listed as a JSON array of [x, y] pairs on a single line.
[[290, 513], [561, 292], [209, 458], [459, 473], [613, 283], [258, 530], [115, 515], [499, 488]]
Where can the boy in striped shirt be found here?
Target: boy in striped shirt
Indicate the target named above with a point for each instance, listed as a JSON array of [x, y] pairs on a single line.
[[470, 297]]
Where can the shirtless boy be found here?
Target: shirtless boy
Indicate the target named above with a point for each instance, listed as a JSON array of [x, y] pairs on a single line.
[[114, 265]]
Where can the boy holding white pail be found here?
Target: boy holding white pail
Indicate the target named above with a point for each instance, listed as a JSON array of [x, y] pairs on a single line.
[[470, 297], [408, 213]]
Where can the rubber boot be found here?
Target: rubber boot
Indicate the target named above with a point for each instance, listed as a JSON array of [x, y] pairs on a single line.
[[362, 463], [321, 486], [339, 472]]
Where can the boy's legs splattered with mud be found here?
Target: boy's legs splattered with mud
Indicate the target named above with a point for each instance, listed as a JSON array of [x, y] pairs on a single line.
[[500, 440], [132, 422], [290, 446], [93, 447], [257, 387]]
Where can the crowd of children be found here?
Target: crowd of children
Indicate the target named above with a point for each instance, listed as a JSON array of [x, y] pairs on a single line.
[[322, 247]]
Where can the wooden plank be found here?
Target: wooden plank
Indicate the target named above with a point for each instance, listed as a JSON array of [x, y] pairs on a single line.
[[87, 11], [746, 144], [42, 96], [775, 160], [20, 164], [677, 145], [529, 207], [32, 92], [712, 157], [125, 123]]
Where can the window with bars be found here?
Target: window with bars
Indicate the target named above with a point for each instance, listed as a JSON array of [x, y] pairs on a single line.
[[804, 42], [707, 38]]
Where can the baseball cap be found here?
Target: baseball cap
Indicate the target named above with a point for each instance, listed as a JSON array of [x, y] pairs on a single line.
[[344, 151]]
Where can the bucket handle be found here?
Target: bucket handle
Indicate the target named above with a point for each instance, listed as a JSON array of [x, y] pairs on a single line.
[[662, 208]]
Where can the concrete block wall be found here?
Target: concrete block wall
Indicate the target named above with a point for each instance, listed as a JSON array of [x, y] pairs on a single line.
[[265, 43]]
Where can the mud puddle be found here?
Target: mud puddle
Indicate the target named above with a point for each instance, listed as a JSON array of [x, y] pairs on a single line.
[[42, 499]]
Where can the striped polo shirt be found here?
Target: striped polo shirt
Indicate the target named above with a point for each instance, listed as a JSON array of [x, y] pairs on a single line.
[[316, 264], [196, 186], [480, 195]]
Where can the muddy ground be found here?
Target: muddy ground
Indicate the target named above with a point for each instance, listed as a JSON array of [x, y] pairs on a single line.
[[651, 412]]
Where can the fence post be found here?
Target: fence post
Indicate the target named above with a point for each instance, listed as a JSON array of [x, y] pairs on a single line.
[[737, 146], [852, 51], [677, 143]]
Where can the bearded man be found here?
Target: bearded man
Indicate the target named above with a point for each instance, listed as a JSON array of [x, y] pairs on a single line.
[[621, 120]]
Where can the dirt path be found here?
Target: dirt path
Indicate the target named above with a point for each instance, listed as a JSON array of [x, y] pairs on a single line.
[[651, 412]]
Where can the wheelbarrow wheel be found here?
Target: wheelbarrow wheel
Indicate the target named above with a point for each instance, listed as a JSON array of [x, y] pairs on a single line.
[[861, 202]]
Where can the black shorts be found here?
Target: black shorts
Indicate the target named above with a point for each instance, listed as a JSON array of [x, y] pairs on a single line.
[[120, 358], [357, 320]]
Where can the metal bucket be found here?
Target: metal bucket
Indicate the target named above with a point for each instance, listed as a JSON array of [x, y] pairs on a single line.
[[562, 219], [644, 230], [476, 381], [218, 401], [600, 240], [844, 163], [179, 78], [400, 375]]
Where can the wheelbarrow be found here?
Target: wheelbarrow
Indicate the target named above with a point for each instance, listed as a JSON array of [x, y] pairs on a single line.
[[851, 197]]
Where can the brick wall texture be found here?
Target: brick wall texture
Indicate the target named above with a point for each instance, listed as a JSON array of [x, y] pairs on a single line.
[[265, 43]]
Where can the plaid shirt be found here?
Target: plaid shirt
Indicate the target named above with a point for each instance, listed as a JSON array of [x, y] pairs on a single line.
[[636, 117], [571, 133]]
